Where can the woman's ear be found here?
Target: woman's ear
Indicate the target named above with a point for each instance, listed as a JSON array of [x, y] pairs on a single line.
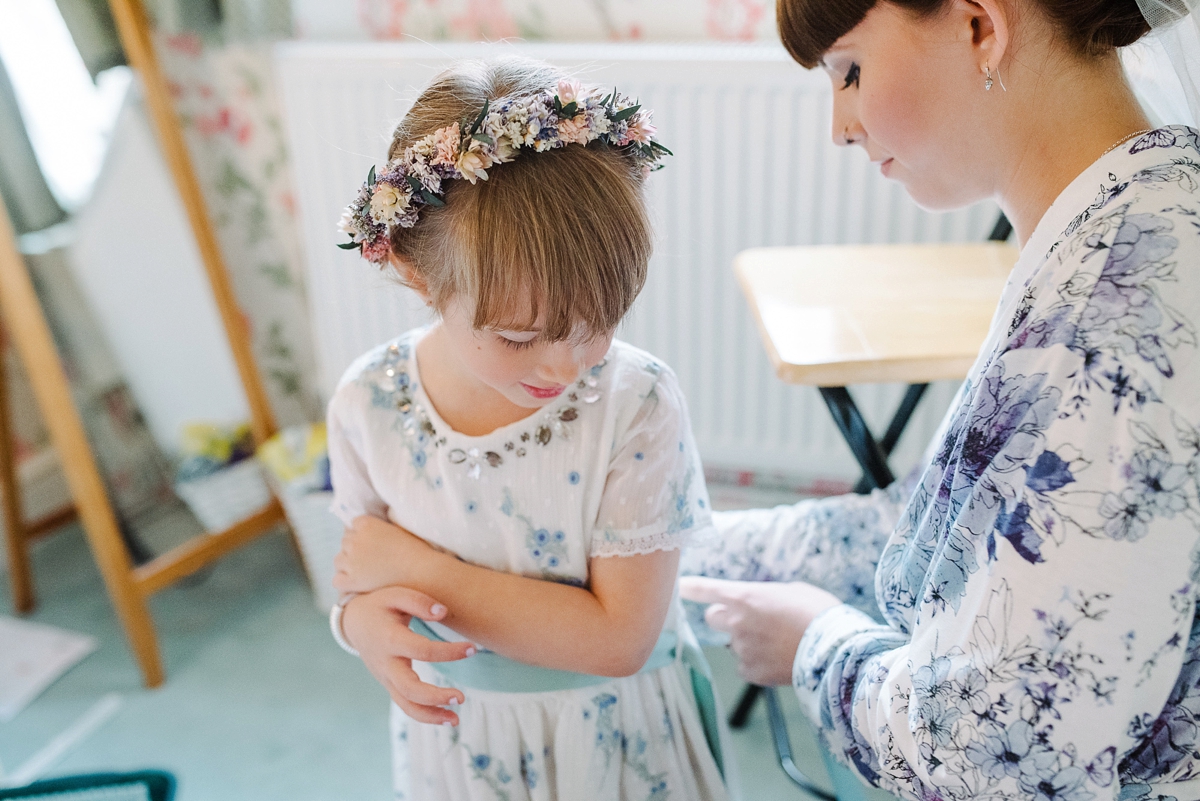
[[410, 277], [991, 32]]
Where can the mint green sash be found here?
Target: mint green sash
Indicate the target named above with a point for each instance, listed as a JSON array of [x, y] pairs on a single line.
[[494, 673]]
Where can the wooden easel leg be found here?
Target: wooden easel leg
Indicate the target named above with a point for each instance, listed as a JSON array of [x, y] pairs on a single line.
[[19, 570], [31, 336]]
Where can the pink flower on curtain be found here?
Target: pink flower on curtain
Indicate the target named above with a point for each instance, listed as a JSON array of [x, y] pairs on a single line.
[[188, 44], [485, 19], [735, 20], [383, 19]]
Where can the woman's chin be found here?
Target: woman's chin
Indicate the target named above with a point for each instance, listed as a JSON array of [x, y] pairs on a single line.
[[941, 198]]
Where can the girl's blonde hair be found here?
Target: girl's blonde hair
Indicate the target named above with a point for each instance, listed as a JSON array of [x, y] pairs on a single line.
[[562, 234]]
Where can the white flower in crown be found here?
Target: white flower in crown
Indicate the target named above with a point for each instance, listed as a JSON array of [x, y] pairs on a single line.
[[387, 202], [474, 162], [347, 225]]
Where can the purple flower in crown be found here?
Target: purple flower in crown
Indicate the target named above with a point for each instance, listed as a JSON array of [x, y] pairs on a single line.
[[572, 114]]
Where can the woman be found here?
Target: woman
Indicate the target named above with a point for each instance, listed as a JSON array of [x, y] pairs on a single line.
[[1037, 591]]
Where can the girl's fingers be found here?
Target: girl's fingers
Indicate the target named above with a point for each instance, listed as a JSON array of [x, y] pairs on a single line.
[[412, 602], [406, 681], [423, 714], [410, 645]]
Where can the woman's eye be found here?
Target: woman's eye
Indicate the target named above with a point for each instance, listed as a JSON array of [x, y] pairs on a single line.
[[851, 77]]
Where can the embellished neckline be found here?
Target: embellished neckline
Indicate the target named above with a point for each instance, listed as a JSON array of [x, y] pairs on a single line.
[[397, 378]]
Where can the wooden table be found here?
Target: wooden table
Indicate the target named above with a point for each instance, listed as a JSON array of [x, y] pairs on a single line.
[[836, 315]]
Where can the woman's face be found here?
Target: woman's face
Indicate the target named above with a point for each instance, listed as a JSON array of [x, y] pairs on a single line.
[[909, 91]]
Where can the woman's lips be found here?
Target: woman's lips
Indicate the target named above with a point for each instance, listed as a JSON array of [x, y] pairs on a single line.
[[542, 393]]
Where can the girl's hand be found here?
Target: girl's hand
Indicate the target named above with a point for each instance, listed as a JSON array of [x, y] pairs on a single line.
[[765, 621], [376, 625], [375, 554]]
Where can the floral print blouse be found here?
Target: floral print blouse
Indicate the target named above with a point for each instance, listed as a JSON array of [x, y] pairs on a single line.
[[1039, 636]]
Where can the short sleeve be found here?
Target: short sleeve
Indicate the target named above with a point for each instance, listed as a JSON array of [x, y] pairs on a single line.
[[353, 493], [654, 496]]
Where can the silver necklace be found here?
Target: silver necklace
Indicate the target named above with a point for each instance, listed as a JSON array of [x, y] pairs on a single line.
[[1126, 139]]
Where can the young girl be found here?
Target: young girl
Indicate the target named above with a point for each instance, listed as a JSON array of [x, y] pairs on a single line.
[[547, 472]]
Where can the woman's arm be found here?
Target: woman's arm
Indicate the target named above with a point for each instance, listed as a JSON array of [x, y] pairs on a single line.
[[833, 543], [608, 629], [1047, 640]]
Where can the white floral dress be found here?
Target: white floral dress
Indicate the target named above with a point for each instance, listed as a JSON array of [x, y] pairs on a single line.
[[1036, 634], [609, 469]]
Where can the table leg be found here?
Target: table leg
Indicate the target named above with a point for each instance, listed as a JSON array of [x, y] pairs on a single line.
[[912, 396], [858, 436]]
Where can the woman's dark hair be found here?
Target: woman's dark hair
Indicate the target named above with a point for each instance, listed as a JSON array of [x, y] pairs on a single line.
[[1090, 27]]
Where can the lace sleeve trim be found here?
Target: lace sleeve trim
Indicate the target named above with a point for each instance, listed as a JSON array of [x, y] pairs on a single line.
[[662, 541]]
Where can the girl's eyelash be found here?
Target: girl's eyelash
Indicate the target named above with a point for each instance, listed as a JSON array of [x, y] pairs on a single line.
[[851, 77], [517, 345]]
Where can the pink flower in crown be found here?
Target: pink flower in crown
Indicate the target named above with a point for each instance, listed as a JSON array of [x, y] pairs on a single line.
[[574, 131], [570, 91], [640, 130], [445, 143], [376, 250]]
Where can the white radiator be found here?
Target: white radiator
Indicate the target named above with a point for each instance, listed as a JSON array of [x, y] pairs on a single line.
[[754, 165]]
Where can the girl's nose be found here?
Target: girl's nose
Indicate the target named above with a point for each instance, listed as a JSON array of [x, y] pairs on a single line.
[[562, 363]]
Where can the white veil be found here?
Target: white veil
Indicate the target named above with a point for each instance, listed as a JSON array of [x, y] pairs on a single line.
[[1164, 67]]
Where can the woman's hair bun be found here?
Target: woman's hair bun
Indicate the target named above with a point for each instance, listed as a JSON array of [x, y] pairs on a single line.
[[1094, 27]]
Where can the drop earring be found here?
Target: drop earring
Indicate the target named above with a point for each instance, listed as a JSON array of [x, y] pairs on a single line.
[[987, 80]]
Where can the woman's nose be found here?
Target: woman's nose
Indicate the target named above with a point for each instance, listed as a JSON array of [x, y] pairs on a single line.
[[847, 130]]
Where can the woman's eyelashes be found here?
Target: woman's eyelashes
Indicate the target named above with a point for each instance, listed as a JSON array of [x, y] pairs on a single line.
[[851, 77]]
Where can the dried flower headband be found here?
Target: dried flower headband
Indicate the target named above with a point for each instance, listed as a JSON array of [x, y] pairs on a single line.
[[572, 115]]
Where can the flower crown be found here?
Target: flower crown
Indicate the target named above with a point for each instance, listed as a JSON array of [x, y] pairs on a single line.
[[571, 115]]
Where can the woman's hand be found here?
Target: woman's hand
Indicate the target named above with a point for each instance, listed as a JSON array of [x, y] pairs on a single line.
[[375, 554], [765, 621], [376, 625]]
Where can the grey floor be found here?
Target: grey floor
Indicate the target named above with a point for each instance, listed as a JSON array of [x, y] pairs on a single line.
[[259, 703]]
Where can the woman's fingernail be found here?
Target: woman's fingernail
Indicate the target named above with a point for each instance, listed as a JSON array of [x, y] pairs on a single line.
[[471, 651], [447, 723], [437, 610]]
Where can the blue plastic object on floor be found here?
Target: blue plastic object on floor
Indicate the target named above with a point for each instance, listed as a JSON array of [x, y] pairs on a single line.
[[149, 785]]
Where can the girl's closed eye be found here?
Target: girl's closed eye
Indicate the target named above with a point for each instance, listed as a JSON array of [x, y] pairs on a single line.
[[851, 76], [517, 344], [517, 340]]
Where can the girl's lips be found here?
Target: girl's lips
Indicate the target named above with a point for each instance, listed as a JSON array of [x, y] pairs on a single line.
[[542, 393]]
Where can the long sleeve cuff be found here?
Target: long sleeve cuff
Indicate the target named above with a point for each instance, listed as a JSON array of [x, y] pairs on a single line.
[[825, 635]]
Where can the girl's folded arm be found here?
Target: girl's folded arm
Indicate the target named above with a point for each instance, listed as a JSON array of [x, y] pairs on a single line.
[[608, 629]]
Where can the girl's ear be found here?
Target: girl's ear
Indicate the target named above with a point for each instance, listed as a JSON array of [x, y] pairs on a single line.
[[410, 277]]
